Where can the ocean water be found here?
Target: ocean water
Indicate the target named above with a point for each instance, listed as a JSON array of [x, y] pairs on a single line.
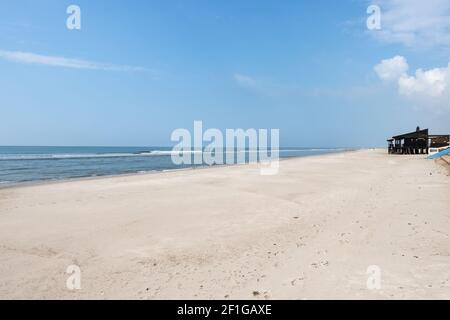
[[34, 164]]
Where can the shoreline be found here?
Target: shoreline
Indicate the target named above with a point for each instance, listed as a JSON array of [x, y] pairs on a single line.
[[152, 172], [309, 232]]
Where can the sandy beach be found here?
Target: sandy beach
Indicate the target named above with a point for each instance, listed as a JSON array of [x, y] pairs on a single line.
[[309, 232]]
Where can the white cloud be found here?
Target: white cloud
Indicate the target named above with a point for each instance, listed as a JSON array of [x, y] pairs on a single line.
[[426, 87], [414, 23], [432, 83], [245, 81], [54, 61], [392, 69]]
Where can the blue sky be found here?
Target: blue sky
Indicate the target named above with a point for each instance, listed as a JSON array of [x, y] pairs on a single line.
[[137, 70]]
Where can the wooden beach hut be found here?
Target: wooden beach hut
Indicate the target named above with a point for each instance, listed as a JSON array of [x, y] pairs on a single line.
[[416, 142]]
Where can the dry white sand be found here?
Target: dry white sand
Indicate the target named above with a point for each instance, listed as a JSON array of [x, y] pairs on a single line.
[[309, 232]]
